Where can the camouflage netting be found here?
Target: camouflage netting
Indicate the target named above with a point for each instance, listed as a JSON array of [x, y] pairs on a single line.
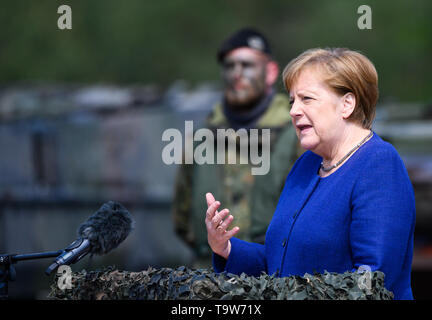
[[202, 284]]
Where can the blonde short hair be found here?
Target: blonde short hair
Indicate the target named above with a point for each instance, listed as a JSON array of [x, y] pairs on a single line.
[[344, 71]]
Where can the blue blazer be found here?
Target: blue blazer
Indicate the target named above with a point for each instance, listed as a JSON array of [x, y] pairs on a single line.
[[362, 214]]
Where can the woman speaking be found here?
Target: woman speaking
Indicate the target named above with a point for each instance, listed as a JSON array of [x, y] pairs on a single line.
[[348, 201]]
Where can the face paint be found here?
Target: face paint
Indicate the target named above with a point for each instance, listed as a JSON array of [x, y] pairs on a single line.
[[244, 75]]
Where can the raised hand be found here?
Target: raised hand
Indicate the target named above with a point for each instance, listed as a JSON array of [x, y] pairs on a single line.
[[217, 235]]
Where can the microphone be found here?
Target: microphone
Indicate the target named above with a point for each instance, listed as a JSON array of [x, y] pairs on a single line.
[[101, 233]]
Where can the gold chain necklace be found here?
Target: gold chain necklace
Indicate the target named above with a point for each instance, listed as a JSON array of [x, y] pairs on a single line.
[[347, 155]]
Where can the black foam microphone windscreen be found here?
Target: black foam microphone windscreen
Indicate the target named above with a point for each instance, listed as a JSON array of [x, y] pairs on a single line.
[[106, 228]]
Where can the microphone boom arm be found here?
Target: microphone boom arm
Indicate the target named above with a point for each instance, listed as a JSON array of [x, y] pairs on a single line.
[[7, 271]]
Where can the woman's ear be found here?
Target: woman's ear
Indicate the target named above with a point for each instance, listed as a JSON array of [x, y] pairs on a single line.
[[349, 104]]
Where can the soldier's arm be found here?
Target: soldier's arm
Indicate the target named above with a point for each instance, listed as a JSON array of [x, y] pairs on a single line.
[[182, 204]]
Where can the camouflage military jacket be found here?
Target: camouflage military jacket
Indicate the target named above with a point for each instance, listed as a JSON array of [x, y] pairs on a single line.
[[251, 199]]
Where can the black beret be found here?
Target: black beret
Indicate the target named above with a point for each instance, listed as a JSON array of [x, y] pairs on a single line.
[[246, 37]]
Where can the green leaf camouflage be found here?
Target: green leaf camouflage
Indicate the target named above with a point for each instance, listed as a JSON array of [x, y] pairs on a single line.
[[203, 284]]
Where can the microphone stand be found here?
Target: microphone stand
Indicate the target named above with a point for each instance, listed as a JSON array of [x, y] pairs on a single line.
[[7, 271]]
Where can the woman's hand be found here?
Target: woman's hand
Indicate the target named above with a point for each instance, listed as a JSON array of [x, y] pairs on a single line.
[[217, 234]]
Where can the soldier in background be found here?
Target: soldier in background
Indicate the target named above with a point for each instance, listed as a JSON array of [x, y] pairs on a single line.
[[250, 101]]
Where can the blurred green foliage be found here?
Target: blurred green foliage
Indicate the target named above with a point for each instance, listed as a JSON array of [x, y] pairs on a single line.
[[158, 42]]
